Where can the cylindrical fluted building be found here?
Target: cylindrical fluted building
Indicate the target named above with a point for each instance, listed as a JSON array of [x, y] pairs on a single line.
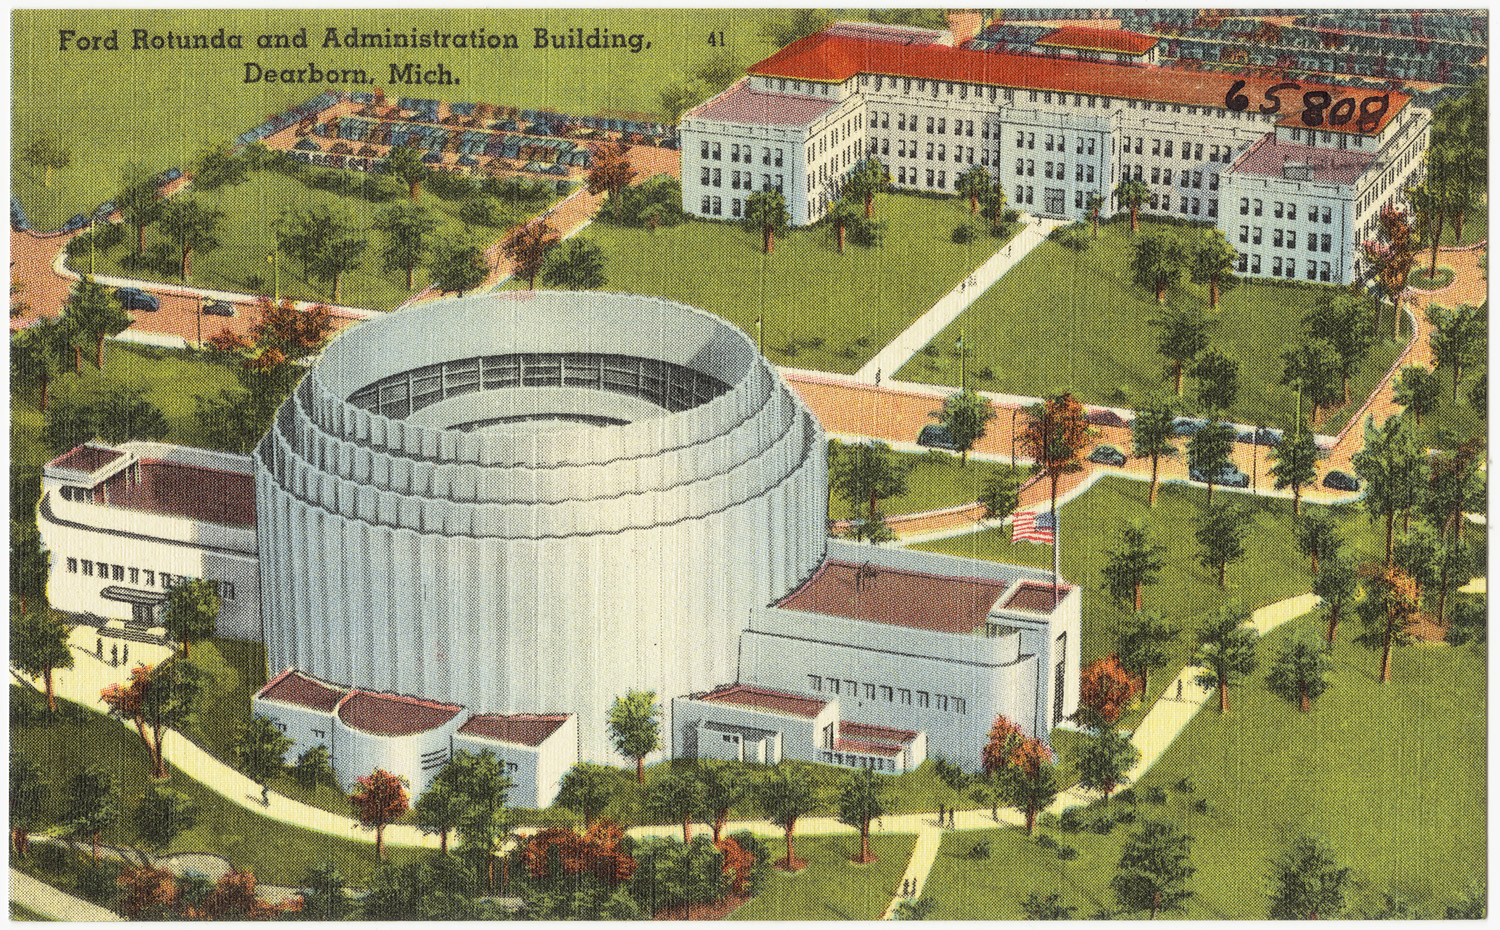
[[535, 503]]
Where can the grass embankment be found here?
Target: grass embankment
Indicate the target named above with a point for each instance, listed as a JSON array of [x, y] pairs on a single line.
[[1391, 776], [180, 101], [935, 480], [819, 309], [831, 887], [1074, 321]]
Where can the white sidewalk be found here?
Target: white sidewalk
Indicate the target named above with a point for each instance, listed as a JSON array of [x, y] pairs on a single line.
[[956, 301]]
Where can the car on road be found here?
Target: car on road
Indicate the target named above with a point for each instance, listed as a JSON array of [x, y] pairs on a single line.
[[1107, 455], [133, 298], [936, 436], [219, 308], [1340, 481], [102, 212], [1187, 426], [166, 177], [76, 221], [1262, 437], [1228, 477]]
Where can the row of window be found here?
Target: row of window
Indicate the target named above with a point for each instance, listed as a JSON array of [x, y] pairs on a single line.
[[114, 572], [78, 495], [1163, 148], [1159, 175], [1185, 205], [1282, 267], [1026, 168], [853, 760], [936, 125], [1250, 207], [748, 152], [936, 178], [1316, 242], [908, 148], [739, 180], [887, 693]]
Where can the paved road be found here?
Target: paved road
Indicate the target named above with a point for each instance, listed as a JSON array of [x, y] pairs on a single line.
[[53, 904]]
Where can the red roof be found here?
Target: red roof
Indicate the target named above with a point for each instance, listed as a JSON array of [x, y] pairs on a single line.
[[293, 687], [394, 714], [87, 459], [526, 729], [859, 745], [740, 104], [944, 603], [1268, 157], [875, 733], [190, 491], [823, 57], [779, 701], [1036, 595], [1103, 40]]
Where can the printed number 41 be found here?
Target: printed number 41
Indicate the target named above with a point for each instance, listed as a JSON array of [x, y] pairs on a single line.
[[716, 39]]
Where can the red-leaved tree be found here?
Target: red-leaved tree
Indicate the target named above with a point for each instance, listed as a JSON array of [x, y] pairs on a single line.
[[596, 853], [1023, 767], [527, 246], [1105, 688], [379, 799]]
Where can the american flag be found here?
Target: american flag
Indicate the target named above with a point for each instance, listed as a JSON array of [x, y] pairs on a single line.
[[1032, 526]]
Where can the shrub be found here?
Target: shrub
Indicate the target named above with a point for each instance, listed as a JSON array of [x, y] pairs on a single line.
[[1185, 785], [985, 374], [761, 854], [480, 211], [1046, 842], [96, 881], [1074, 236], [1202, 806], [1156, 794], [1103, 825], [980, 850], [1066, 852], [1125, 797], [964, 232], [1124, 815], [1071, 820]]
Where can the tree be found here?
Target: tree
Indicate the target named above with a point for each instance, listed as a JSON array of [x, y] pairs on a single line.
[[785, 794], [408, 230], [1000, 495], [801, 22], [379, 799], [162, 815], [1132, 194], [1022, 767], [482, 789], [1392, 467], [1469, 623], [1392, 256], [323, 893], [1208, 454], [992, 206], [635, 727], [123, 415], [28, 800], [973, 184], [586, 788], [139, 201], [865, 180], [191, 611], [1134, 562], [92, 314], [149, 893], [162, 695], [1221, 537], [1298, 674], [92, 804], [1036, 906], [915, 910], [1054, 437], [1105, 759], [575, 265], [1156, 262], [1388, 612], [1312, 369], [1151, 435], [325, 242], [765, 213], [966, 415], [1105, 689], [336, 256], [192, 227], [1096, 204], [312, 767], [46, 151], [260, 750], [675, 799], [1218, 378], [860, 802], [1296, 458], [1153, 870], [1182, 334], [1344, 322], [1429, 198], [611, 169], [1226, 650], [1318, 537], [1335, 585], [527, 246], [867, 472], [39, 644], [1417, 390], [721, 787], [1307, 882], [439, 809], [36, 354], [1457, 339], [842, 213], [1211, 262], [405, 162], [217, 167], [457, 266], [1142, 646]]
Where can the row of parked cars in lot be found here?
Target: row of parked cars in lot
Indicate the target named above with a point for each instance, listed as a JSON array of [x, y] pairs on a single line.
[[937, 436]]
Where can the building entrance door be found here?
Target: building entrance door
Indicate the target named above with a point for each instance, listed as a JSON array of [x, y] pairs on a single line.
[[1054, 202]]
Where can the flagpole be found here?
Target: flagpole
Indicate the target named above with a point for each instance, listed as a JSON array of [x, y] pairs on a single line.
[[1056, 555]]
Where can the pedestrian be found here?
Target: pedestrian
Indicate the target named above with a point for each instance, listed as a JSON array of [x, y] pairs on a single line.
[[125, 654], [99, 649], [877, 377], [1179, 689], [942, 812], [951, 823], [114, 655]]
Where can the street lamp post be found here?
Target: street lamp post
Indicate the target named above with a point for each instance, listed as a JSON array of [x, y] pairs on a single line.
[[275, 283], [200, 321]]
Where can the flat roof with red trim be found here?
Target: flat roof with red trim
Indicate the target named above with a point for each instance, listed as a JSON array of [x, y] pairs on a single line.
[[293, 687], [394, 714], [824, 57], [944, 603], [875, 733], [190, 491], [1268, 157], [87, 459], [1103, 40], [845, 744], [779, 701], [1036, 595], [740, 104], [526, 729]]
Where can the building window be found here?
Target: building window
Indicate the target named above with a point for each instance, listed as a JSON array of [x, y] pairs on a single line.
[[1166, 176], [1327, 217], [887, 693], [1155, 174], [1255, 235], [1312, 271], [942, 181], [924, 699], [718, 152], [1257, 208], [1167, 153], [1276, 236], [942, 702], [1243, 259], [1327, 242], [1213, 182], [703, 151], [851, 688], [1090, 174], [718, 177], [1166, 203], [1291, 238], [1255, 264], [905, 695], [1279, 209], [960, 706], [833, 686], [1324, 272], [718, 206], [1291, 268], [705, 205], [1276, 266], [1155, 146], [319, 734], [778, 157], [73, 565], [150, 578], [869, 691], [135, 576], [1213, 209]]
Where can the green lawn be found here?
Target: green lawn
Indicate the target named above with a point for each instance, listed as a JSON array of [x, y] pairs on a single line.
[[277, 853], [160, 108], [831, 887], [1391, 776], [1272, 570], [22, 912], [820, 309], [1073, 321], [936, 479]]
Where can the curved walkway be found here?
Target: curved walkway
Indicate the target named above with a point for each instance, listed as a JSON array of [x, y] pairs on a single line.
[[52, 903]]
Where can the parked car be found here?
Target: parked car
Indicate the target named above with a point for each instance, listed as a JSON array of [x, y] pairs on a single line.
[[937, 436], [1264, 436], [103, 211], [1228, 477], [1187, 426], [133, 298], [1340, 481], [1107, 455], [76, 221], [218, 308], [171, 174]]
